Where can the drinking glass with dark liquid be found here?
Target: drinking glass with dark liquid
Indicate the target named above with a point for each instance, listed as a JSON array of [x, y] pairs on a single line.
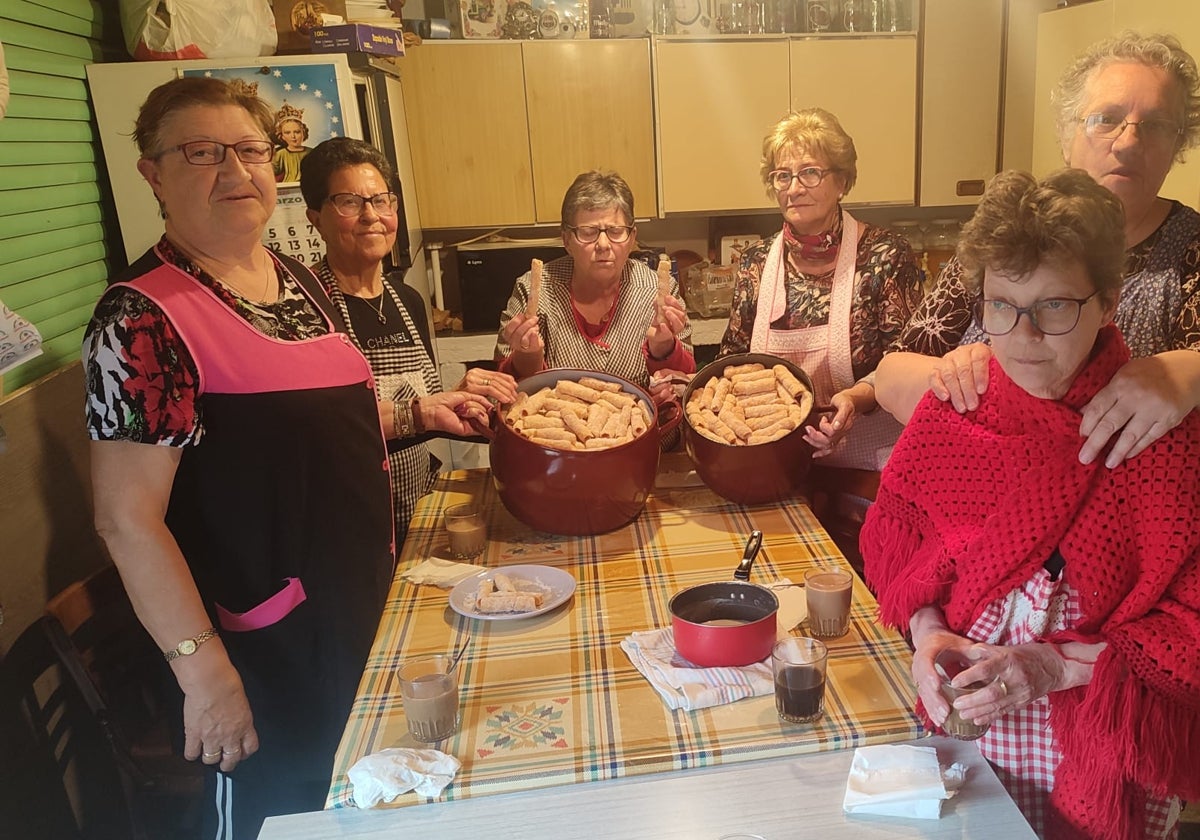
[[949, 664], [799, 664]]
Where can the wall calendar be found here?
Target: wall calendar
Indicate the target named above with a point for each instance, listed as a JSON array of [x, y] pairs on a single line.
[[289, 231]]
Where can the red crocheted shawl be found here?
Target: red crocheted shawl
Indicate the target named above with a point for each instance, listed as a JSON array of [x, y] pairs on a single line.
[[970, 506]]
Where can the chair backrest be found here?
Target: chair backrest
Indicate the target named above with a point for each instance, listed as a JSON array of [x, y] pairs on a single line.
[[57, 777]]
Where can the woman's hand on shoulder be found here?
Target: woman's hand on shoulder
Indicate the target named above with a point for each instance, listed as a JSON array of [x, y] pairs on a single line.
[[218, 726], [961, 376], [454, 412], [1144, 400], [825, 435], [489, 384]]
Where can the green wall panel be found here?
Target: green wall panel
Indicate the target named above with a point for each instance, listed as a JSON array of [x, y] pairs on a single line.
[[48, 108], [22, 177], [30, 130], [50, 18], [25, 83], [38, 38], [39, 61], [43, 198], [49, 221], [40, 278], [29, 154], [36, 244]]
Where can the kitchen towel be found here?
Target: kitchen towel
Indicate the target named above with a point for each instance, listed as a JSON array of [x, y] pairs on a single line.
[[441, 572], [683, 685], [382, 776], [900, 780]]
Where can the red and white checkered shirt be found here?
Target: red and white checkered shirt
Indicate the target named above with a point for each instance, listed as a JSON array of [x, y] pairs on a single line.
[[1021, 745]]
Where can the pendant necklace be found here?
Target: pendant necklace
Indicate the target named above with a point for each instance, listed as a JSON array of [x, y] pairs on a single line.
[[378, 310]]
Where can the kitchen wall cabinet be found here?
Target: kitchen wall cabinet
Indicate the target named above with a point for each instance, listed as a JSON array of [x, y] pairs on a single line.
[[469, 135], [590, 107], [960, 99], [870, 85], [716, 100], [500, 129]]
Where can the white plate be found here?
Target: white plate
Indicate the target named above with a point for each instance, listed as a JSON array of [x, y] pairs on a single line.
[[555, 583]]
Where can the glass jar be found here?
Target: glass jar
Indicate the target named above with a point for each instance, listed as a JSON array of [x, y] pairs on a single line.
[[940, 241]]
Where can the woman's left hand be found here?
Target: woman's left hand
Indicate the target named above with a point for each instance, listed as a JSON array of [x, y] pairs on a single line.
[[1016, 676], [454, 411], [829, 430], [490, 384], [668, 323]]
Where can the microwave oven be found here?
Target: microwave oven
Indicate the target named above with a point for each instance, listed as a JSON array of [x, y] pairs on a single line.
[[487, 272]]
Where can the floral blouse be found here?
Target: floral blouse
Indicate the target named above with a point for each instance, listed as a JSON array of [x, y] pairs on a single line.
[[141, 380], [944, 316], [887, 289]]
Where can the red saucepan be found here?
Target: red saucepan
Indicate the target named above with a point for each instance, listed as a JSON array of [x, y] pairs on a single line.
[[730, 622]]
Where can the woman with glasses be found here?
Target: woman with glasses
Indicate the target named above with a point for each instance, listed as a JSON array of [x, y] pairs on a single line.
[[238, 466], [1072, 588], [827, 292], [1127, 110], [350, 190], [597, 310]]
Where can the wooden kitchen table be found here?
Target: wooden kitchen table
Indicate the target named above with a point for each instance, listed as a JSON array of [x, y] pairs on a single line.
[[553, 700]]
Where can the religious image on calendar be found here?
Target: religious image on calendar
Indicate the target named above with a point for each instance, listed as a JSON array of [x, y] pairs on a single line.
[[305, 106]]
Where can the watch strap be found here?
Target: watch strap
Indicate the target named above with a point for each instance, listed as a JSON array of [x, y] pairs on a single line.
[[189, 646]]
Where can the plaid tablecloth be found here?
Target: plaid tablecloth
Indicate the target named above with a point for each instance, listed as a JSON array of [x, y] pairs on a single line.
[[553, 700]]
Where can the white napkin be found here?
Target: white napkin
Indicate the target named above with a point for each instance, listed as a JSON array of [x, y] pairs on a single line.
[[441, 572], [900, 780], [382, 776], [685, 686], [793, 608]]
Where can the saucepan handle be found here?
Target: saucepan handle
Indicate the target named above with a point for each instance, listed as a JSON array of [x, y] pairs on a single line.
[[752, 548]]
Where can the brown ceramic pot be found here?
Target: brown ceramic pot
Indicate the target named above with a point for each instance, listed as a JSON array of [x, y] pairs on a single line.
[[750, 475], [576, 492]]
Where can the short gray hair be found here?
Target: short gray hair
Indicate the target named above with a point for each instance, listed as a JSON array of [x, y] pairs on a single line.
[[596, 190], [1155, 50]]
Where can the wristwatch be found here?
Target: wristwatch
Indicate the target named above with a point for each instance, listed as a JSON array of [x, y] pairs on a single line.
[[189, 646]]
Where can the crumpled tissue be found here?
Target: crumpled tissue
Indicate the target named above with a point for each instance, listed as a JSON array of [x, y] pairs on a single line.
[[382, 776], [441, 572], [900, 780]]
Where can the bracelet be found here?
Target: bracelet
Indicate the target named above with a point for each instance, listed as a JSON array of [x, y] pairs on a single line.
[[414, 409], [402, 419]]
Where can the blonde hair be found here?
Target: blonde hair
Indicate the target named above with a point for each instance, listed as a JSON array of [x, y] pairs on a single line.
[[1065, 218], [1160, 51], [814, 131]]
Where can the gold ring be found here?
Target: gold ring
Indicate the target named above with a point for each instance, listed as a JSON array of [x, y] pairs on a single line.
[[216, 754], [231, 751], [486, 381], [1003, 686]]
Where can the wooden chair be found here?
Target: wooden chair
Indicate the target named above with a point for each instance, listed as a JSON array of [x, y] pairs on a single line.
[[837, 499], [57, 777], [121, 675]]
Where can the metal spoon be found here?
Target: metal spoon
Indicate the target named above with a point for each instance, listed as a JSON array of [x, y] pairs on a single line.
[[458, 655]]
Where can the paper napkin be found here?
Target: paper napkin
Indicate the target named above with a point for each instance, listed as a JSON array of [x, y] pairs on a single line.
[[441, 572], [899, 780], [382, 776], [685, 686]]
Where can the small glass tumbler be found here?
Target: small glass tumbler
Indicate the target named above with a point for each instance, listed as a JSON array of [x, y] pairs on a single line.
[[948, 664], [429, 691], [467, 533], [828, 593], [798, 664]]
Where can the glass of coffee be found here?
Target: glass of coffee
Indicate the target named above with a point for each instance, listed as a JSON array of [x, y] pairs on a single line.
[[949, 664], [828, 594], [429, 691], [799, 667], [467, 533]]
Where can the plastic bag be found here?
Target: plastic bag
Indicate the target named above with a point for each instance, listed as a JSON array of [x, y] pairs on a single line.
[[158, 30]]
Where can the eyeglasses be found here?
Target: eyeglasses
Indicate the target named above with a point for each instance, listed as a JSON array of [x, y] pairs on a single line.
[[781, 179], [1051, 316], [352, 204], [587, 234], [1111, 126], [211, 153]]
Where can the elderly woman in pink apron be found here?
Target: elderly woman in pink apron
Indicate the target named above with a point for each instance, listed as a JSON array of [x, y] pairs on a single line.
[[827, 292]]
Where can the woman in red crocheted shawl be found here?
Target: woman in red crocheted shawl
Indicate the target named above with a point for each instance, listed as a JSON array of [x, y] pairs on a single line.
[[1074, 588]]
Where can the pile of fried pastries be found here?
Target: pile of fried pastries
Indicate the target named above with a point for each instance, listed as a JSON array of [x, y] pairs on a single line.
[[500, 594], [749, 404], [579, 415]]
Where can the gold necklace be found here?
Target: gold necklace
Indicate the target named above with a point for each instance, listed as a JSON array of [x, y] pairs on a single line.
[[378, 310]]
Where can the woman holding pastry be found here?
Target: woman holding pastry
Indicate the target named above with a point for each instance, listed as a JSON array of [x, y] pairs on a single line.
[[351, 192], [827, 292], [1071, 591], [595, 308]]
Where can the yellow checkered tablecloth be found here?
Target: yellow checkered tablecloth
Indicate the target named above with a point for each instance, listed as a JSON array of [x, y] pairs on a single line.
[[553, 700]]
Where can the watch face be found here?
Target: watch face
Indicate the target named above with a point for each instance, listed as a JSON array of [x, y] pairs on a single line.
[[187, 647]]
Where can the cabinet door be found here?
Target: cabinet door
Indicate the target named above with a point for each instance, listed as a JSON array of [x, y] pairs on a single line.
[[1062, 34], [1182, 19], [716, 101], [870, 85], [590, 107], [465, 105], [960, 99]]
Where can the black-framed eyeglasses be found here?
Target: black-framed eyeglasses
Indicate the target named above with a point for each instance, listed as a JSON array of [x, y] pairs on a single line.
[[587, 234], [812, 176], [211, 153], [1050, 316], [352, 204], [1111, 126]]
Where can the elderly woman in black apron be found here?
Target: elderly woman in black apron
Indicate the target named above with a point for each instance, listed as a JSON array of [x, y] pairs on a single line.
[[352, 195], [827, 292]]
